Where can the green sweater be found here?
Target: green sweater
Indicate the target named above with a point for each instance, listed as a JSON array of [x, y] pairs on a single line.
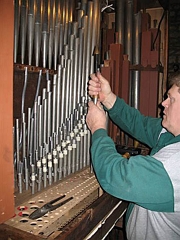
[[141, 180]]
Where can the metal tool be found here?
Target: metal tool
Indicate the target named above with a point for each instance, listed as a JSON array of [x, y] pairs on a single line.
[[96, 68], [48, 207]]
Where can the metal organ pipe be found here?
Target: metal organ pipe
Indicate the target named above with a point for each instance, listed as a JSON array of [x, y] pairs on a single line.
[[85, 27], [95, 30], [16, 27], [129, 29], [57, 138], [45, 33], [30, 27], [119, 20], [51, 34], [56, 34], [136, 58], [89, 41], [23, 25], [37, 32]]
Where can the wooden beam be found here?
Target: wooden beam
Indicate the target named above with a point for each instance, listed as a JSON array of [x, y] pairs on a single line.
[[6, 110]]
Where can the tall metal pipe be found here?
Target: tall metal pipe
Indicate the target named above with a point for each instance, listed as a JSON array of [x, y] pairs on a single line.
[[119, 20], [45, 33], [23, 26], [80, 64], [84, 6], [79, 17], [61, 39], [89, 43], [54, 103], [75, 76], [51, 33], [44, 120], [30, 31], [56, 34], [49, 115], [129, 29], [129, 40], [95, 31], [63, 94], [136, 59], [16, 27], [96, 25], [37, 32], [84, 26], [58, 96], [72, 79], [69, 87]]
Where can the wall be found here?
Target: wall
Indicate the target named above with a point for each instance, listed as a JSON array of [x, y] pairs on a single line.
[[174, 36]]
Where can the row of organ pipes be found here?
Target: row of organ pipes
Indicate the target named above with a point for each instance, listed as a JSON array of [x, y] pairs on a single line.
[[51, 139]]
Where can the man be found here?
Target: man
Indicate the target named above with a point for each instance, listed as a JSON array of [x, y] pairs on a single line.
[[150, 183]]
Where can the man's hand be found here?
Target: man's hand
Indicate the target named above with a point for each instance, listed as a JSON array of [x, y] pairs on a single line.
[[96, 117], [98, 85]]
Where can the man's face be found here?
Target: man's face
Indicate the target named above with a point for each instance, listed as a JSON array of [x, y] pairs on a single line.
[[171, 117]]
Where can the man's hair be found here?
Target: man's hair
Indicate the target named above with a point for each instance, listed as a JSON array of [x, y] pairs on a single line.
[[174, 79]]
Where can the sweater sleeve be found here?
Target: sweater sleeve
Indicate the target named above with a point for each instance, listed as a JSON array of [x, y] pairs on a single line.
[[141, 179], [144, 129]]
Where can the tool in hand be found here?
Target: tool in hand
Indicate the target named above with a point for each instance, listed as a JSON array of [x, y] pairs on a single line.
[[48, 207], [96, 68]]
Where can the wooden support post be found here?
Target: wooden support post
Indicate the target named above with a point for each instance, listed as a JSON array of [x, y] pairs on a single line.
[[6, 110]]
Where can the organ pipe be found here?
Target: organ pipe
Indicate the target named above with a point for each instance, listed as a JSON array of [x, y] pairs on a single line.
[[56, 124]]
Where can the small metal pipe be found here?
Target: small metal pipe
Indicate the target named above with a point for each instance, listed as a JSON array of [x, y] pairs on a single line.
[[64, 162], [44, 163], [55, 164], [61, 38], [60, 165], [69, 87], [69, 159], [54, 103], [78, 139], [35, 139], [73, 155], [31, 149], [33, 178], [50, 168], [40, 128], [58, 97], [44, 105], [17, 142], [63, 94], [23, 139], [39, 175], [28, 130], [49, 115]]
